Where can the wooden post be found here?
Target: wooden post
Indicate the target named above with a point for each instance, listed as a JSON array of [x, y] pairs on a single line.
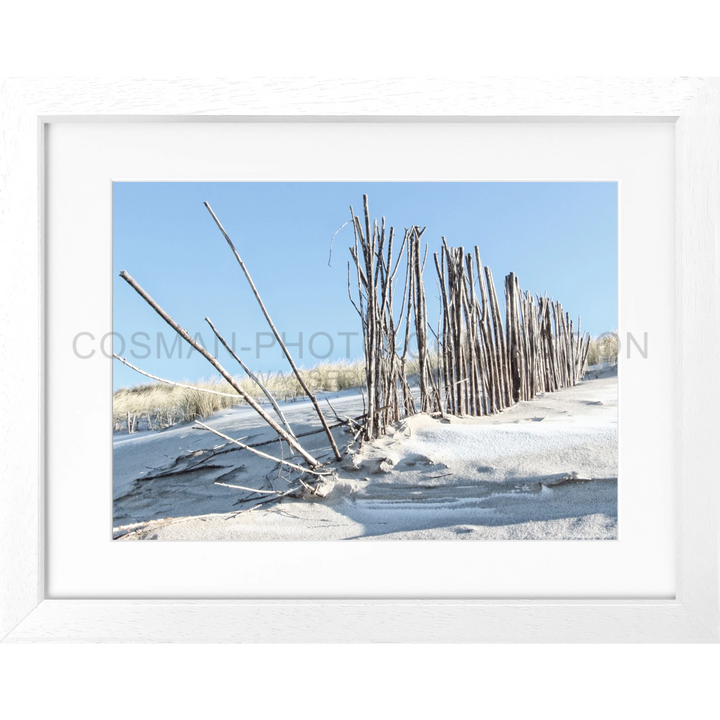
[[500, 346], [445, 350], [488, 340]]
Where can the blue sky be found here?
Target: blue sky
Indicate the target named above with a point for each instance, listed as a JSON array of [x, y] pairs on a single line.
[[559, 238]]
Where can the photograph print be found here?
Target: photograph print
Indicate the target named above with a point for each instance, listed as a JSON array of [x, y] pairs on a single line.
[[365, 361]]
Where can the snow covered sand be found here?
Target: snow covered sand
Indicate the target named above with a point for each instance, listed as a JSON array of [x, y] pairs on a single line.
[[544, 469]]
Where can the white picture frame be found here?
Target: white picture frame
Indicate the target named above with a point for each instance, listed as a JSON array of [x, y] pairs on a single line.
[[692, 104]]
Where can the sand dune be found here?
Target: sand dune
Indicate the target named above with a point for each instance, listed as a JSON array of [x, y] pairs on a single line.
[[543, 469]]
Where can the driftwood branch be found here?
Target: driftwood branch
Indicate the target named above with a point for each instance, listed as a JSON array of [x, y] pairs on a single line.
[[253, 377], [342, 423], [252, 490], [170, 382], [274, 498], [260, 453], [278, 337], [333, 240]]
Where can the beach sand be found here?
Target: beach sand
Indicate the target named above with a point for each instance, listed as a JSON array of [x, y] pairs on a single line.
[[545, 469]]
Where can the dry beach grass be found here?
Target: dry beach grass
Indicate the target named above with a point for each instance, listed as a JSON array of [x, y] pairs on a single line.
[[156, 406]]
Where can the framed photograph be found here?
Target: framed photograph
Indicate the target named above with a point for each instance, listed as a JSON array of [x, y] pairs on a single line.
[[360, 370]]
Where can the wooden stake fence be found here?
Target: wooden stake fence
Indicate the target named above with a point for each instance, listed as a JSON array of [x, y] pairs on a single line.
[[376, 267], [488, 367], [483, 364]]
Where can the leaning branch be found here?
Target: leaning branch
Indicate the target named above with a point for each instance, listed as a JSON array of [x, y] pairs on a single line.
[[185, 335], [170, 382], [253, 377], [278, 337], [260, 453]]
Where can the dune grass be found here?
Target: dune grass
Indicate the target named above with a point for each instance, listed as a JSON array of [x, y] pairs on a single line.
[[603, 349], [154, 406]]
